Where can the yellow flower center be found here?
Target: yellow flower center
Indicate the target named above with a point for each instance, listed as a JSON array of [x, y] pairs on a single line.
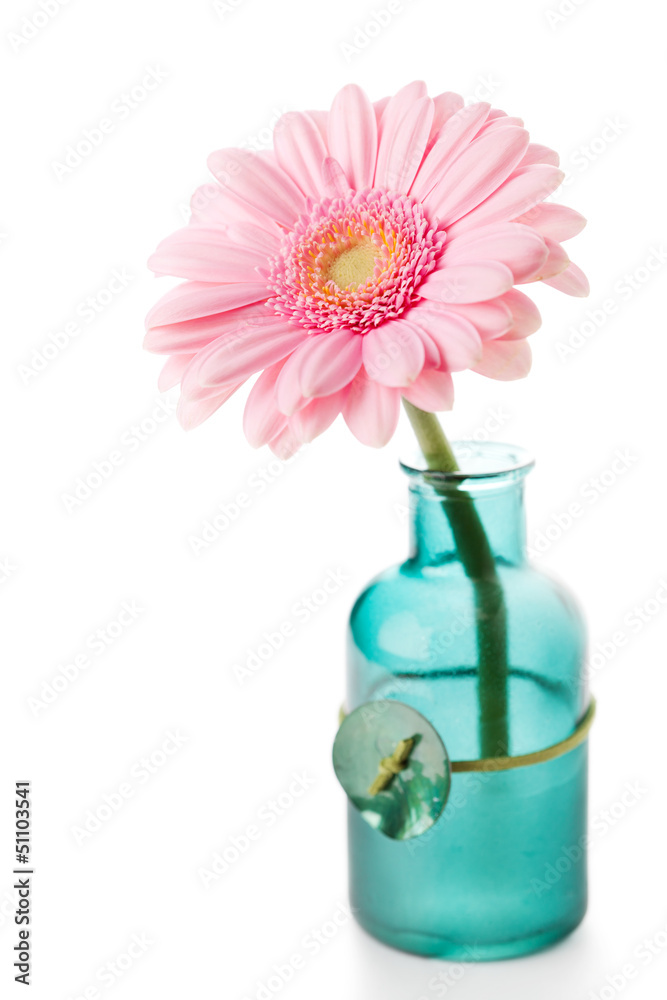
[[354, 262], [353, 267]]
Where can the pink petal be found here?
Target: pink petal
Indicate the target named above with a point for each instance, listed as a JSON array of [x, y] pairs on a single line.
[[505, 360], [317, 416], [371, 411], [433, 390], [191, 413], [491, 319], [401, 149], [524, 188], [173, 371], [467, 282], [459, 343], [257, 238], [393, 353], [213, 205], [431, 352], [334, 181], [323, 364], [455, 135], [259, 182], [285, 444], [479, 170], [289, 397], [205, 253], [526, 318], [262, 420], [194, 334], [558, 222], [321, 121], [208, 205], [518, 247], [379, 109], [445, 107], [352, 135], [395, 111], [537, 153], [572, 281], [194, 299], [196, 393], [498, 120], [300, 151], [410, 93], [246, 348], [329, 362], [555, 263]]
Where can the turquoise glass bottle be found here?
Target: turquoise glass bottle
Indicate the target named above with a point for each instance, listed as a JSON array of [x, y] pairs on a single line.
[[503, 870]]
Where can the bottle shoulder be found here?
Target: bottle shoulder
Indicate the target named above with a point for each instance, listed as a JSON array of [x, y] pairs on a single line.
[[442, 592], [410, 576], [414, 635]]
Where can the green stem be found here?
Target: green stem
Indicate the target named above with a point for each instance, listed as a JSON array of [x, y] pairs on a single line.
[[479, 565]]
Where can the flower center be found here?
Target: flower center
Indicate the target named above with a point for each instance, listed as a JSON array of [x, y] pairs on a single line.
[[353, 262], [353, 267]]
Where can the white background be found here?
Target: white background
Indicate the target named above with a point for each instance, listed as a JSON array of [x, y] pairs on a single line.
[[337, 507]]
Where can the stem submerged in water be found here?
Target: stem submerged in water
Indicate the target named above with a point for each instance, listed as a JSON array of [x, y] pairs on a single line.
[[479, 564]]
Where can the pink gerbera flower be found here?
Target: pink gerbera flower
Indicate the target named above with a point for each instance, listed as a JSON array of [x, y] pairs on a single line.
[[370, 254]]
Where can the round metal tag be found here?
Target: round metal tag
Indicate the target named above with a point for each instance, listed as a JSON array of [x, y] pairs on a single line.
[[393, 766]]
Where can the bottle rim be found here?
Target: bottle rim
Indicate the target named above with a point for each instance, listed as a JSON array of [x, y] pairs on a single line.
[[477, 460]]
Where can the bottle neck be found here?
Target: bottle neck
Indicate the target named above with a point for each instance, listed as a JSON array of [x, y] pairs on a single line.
[[498, 505]]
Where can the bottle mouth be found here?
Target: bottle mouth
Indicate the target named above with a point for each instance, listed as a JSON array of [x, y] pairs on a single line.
[[478, 460]]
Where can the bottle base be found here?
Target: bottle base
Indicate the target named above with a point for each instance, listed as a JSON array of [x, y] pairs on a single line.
[[433, 946]]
